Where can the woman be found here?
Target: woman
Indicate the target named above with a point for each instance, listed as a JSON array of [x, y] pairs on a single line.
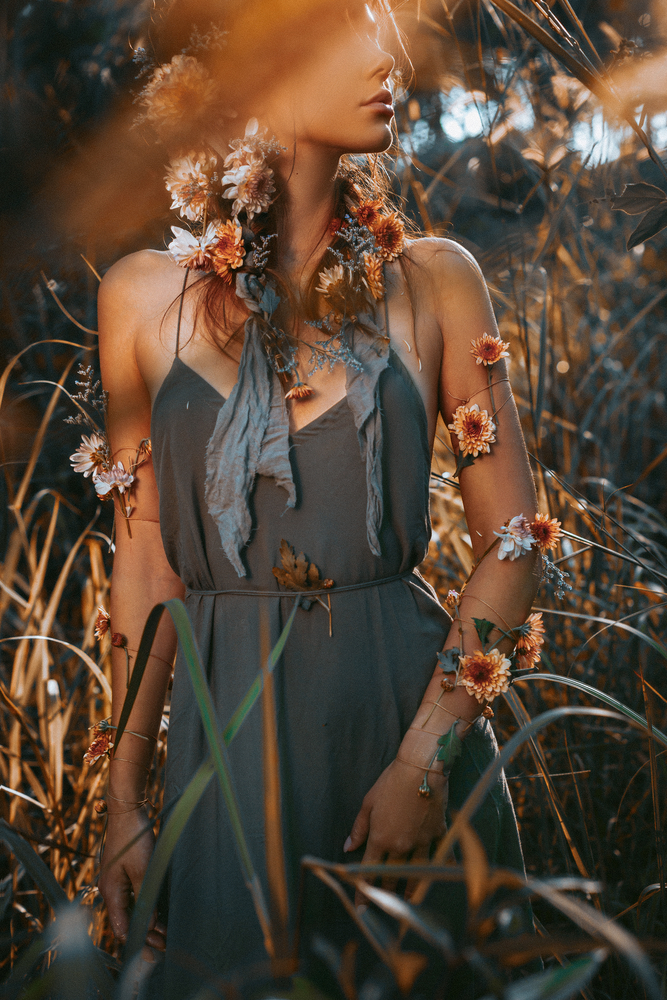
[[254, 443]]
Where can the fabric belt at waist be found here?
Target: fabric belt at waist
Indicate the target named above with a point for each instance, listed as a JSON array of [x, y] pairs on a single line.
[[301, 593]]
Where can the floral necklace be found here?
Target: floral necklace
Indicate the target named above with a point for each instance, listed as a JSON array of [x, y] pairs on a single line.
[[366, 238]]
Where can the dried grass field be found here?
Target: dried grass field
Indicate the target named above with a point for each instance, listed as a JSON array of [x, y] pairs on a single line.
[[523, 127]]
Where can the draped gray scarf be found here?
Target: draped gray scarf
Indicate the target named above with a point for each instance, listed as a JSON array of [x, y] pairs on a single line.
[[251, 438]]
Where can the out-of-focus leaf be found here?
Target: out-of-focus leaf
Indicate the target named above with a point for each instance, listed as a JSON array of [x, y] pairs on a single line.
[[33, 864], [483, 627], [418, 920], [562, 983], [638, 198], [653, 222], [406, 966], [475, 867], [189, 798]]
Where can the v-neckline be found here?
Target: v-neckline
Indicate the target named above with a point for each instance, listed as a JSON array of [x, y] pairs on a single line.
[[292, 435]]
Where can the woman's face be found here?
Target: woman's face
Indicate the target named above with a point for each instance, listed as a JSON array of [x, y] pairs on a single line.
[[338, 97]]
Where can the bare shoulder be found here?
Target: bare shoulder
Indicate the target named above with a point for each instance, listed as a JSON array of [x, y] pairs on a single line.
[[135, 291], [445, 262]]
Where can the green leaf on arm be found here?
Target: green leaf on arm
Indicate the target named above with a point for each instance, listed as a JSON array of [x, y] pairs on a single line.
[[450, 747], [463, 462], [483, 627]]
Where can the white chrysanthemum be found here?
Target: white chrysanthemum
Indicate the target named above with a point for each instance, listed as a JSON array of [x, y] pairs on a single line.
[[330, 279], [114, 478], [249, 183], [92, 455], [188, 181], [515, 538], [193, 251]]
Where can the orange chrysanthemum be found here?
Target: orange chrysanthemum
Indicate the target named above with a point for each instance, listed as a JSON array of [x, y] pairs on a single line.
[[227, 252], [374, 276], [367, 213], [486, 350], [102, 622], [100, 747], [528, 645], [389, 233], [546, 531], [484, 675], [301, 391], [474, 429]]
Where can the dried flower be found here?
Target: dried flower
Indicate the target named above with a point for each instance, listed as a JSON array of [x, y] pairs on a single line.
[[527, 649], [115, 478], [546, 531], [452, 600], [228, 252], [100, 807], [100, 747], [92, 455], [118, 640], [300, 391], [193, 251], [332, 280], [486, 350], [474, 428], [374, 276], [515, 538], [484, 675], [177, 90], [189, 182], [102, 622], [367, 213], [389, 233]]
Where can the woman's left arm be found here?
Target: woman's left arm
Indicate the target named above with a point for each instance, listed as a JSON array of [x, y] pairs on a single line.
[[394, 821]]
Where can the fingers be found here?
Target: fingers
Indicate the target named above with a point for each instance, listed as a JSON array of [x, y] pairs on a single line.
[[389, 883], [360, 828], [116, 892], [420, 855], [157, 934], [372, 856]]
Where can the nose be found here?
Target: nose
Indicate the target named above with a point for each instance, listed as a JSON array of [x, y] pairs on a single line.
[[386, 64]]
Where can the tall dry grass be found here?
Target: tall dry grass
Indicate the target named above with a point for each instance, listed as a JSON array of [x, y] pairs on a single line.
[[586, 320]]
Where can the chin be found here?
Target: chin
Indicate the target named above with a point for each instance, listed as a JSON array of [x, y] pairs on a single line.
[[377, 140]]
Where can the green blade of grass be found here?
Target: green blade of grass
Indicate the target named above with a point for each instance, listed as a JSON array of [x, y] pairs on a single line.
[[635, 717], [189, 798], [33, 864]]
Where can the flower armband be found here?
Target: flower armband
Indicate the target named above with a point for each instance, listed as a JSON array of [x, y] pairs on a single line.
[[111, 479]]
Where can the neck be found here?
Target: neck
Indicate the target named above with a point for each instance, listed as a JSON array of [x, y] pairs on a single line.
[[307, 177]]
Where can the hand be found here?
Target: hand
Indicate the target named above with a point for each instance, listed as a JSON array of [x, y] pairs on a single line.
[[395, 822], [121, 878]]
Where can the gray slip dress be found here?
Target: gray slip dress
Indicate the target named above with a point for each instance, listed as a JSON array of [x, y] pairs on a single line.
[[351, 491]]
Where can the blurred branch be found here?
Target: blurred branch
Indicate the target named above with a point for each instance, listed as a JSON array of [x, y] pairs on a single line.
[[589, 77]]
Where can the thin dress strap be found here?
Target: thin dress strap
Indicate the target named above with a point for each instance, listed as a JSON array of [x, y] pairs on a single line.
[[180, 311], [386, 304]]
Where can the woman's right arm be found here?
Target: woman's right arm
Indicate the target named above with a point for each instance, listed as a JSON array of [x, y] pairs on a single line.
[[141, 579]]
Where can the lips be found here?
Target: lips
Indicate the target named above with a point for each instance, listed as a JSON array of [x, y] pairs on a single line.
[[383, 96]]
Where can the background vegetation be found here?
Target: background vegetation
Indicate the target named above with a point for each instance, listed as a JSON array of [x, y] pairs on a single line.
[[517, 150]]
